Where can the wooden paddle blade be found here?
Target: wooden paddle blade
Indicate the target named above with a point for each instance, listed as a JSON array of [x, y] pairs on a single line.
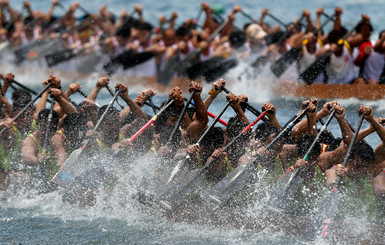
[[312, 72], [229, 185], [284, 191], [174, 196], [59, 57], [67, 172], [167, 74], [281, 65]]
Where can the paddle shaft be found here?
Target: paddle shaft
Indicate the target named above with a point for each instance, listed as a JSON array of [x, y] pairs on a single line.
[[103, 116], [249, 107], [333, 194], [286, 129], [26, 107], [212, 115], [216, 119], [153, 119], [28, 89], [112, 93], [323, 128], [180, 119], [277, 20]]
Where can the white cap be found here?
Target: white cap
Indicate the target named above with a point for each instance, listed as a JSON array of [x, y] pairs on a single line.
[[255, 31]]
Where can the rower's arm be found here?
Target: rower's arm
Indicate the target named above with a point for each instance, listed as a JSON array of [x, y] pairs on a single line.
[[327, 159], [347, 134], [27, 6], [200, 118], [42, 103], [136, 110], [28, 152], [65, 106], [302, 128], [364, 35], [309, 26], [337, 21], [102, 82], [378, 46], [6, 105], [264, 12], [216, 88], [59, 149]]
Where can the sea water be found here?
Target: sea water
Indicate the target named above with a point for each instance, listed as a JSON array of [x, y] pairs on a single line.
[[116, 218]]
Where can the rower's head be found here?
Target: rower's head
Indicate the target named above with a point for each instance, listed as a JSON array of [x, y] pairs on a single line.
[[20, 99], [303, 145], [145, 29], [110, 126], [255, 34], [234, 128], [237, 39], [169, 37], [75, 127], [361, 158], [42, 120], [265, 133], [213, 140], [335, 39]]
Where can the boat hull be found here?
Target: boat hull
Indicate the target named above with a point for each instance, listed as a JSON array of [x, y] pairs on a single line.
[[331, 91]]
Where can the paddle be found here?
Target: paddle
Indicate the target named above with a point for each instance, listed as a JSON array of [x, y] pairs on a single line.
[[26, 107], [180, 119], [182, 164], [281, 65], [287, 187], [237, 178], [174, 196], [312, 72], [70, 167], [329, 206], [189, 61]]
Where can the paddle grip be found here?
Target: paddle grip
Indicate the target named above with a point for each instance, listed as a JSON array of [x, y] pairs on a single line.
[[213, 123]]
